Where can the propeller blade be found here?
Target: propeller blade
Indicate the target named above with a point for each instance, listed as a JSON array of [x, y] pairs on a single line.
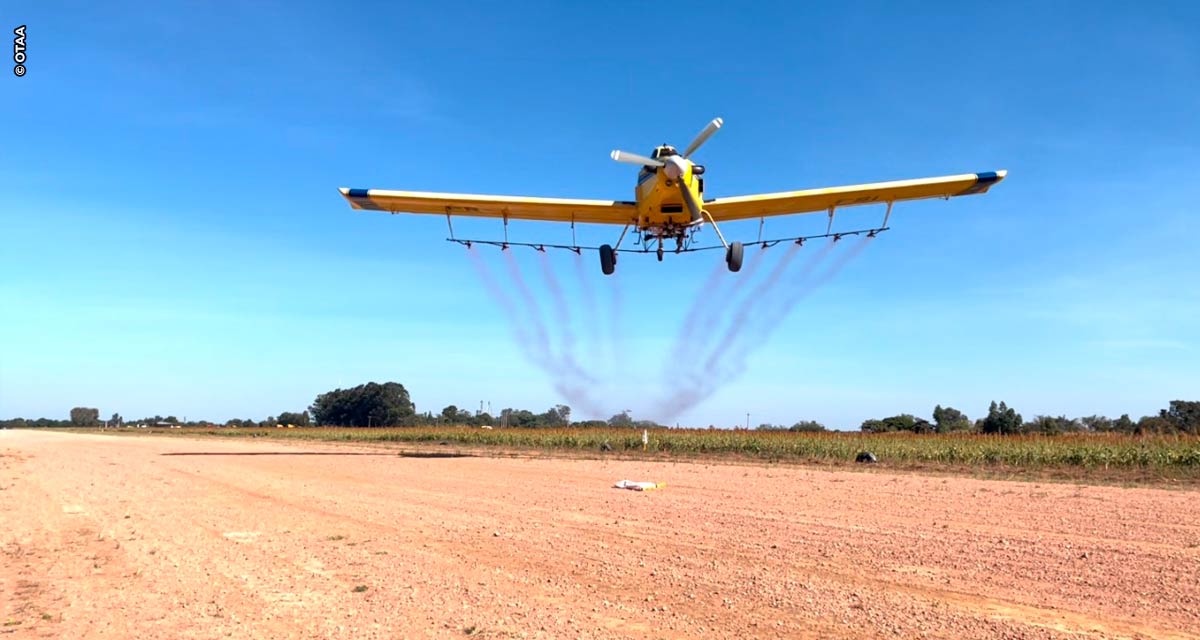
[[703, 137], [690, 201], [633, 158]]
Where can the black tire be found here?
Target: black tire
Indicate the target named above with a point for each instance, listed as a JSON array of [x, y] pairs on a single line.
[[608, 259], [733, 256], [660, 253]]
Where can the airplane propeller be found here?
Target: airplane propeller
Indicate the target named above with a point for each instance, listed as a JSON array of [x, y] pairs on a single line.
[[676, 166], [690, 199], [633, 158], [703, 136]]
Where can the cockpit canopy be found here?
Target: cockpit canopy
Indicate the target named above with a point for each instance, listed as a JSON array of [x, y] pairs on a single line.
[[663, 152]]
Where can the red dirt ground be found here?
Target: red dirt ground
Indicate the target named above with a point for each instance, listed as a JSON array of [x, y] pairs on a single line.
[[109, 537]]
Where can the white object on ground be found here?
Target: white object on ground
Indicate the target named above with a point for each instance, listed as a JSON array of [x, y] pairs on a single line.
[[639, 486]]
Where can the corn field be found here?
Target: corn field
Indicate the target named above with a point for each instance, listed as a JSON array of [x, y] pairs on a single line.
[[1076, 450]]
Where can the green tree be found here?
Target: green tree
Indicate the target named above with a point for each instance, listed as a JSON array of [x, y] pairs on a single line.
[[1098, 424], [519, 418], [1001, 420], [85, 417], [1184, 415], [293, 418], [564, 414], [873, 425], [1124, 424], [556, 416], [1051, 425], [902, 422], [370, 404], [949, 419], [1150, 425], [807, 425], [621, 420]]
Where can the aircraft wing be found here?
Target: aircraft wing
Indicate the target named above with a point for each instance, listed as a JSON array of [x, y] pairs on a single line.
[[512, 207], [810, 200]]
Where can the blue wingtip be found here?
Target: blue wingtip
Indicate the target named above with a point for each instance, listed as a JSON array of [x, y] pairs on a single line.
[[987, 177], [983, 181]]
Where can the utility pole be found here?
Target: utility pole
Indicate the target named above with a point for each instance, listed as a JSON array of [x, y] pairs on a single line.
[[747, 421]]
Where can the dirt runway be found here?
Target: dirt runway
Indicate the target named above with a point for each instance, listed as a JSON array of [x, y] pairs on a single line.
[[156, 537]]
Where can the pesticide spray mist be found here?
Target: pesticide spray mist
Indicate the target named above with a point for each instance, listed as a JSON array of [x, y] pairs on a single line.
[[532, 331], [760, 325], [748, 321], [730, 316]]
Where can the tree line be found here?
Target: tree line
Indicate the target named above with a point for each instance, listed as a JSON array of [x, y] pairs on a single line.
[[90, 417], [1180, 417], [388, 404]]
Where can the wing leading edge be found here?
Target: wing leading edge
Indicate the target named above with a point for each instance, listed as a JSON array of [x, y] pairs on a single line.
[[811, 200], [483, 206]]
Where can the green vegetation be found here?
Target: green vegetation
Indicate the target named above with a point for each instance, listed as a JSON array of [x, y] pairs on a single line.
[[367, 405], [388, 404], [1180, 418], [289, 417], [803, 425], [1029, 450], [373, 412], [85, 417]]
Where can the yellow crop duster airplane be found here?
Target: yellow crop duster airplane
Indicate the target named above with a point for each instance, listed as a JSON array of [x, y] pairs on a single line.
[[669, 204]]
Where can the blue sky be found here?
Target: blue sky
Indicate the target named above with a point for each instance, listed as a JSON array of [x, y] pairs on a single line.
[[174, 242]]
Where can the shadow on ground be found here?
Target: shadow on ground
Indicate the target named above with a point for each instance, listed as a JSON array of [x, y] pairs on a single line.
[[402, 454]]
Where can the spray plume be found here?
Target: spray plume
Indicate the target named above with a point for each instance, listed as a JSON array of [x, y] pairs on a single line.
[[747, 331], [566, 375], [704, 315], [690, 374], [590, 310], [763, 325], [560, 305]]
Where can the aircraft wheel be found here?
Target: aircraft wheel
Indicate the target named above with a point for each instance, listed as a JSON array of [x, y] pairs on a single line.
[[608, 259], [660, 252], [733, 256]]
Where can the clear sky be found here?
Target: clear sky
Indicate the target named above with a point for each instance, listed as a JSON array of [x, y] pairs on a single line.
[[173, 241]]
